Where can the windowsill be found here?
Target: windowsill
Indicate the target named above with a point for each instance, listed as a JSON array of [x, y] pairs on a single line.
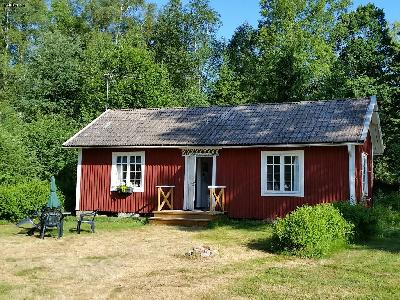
[[131, 192], [282, 194]]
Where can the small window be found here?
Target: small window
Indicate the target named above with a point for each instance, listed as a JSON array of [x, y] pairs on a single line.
[[128, 169], [282, 173], [364, 175]]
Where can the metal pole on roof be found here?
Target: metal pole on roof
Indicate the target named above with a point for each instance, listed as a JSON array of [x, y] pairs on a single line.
[[108, 77]]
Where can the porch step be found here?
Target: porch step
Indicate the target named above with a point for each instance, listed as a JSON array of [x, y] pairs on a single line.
[[179, 221], [184, 218]]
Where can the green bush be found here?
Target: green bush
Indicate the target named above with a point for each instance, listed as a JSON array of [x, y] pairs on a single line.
[[368, 222], [311, 231], [389, 200], [18, 200]]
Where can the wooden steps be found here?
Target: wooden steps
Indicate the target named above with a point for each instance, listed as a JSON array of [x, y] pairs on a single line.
[[184, 218]]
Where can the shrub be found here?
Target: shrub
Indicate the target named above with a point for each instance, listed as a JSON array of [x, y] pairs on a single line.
[[18, 200], [389, 200], [311, 231], [368, 222]]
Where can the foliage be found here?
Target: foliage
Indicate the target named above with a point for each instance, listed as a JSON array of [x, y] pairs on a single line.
[[311, 231], [390, 200], [55, 57], [368, 222], [16, 160], [18, 200]]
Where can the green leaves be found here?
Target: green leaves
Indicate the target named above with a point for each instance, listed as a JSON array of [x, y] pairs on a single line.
[[312, 231]]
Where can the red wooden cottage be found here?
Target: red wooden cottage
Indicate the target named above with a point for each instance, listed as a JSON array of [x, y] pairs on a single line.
[[267, 158]]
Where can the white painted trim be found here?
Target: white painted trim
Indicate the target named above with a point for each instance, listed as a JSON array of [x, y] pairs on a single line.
[[264, 154], [218, 147], [352, 174], [114, 175], [214, 170], [82, 130], [368, 118], [364, 164], [78, 180]]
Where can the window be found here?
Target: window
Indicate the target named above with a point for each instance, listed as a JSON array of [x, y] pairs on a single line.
[[364, 175], [128, 169], [282, 173]]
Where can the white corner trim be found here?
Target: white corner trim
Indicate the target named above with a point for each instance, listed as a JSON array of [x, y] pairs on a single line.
[[114, 175], [352, 173], [264, 192], [78, 180], [368, 117], [84, 128], [214, 170]]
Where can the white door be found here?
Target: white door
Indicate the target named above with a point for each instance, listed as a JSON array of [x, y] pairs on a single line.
[[190, 182]]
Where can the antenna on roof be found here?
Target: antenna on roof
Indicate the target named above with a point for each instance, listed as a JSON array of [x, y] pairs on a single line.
[[108, 76]]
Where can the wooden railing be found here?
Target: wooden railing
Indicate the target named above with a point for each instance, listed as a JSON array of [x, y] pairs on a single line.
[[167, 198], [217, 199]]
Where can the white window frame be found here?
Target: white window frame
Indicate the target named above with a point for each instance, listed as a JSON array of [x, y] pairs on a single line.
[[364, 171], [264, 192], [114, 175]]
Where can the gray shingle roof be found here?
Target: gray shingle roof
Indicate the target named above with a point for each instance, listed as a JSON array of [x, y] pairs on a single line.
[[334, 121]]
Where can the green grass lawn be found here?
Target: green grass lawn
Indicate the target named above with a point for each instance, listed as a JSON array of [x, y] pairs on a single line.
[[125, 257]]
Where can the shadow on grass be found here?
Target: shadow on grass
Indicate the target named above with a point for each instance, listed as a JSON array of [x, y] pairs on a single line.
[[225, 222], [390, 242], [263, 244]]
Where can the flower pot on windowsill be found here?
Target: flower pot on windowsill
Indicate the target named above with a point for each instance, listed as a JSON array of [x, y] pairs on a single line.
[[124, 190]]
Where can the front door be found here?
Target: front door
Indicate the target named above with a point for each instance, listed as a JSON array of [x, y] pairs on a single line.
[[200, 172], [190, 182], [204, 166]]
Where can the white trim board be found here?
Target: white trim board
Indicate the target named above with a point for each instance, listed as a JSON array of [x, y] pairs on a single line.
[[352, 174], [78, 181]]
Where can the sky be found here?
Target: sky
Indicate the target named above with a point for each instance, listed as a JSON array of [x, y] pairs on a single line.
[[235, 12]]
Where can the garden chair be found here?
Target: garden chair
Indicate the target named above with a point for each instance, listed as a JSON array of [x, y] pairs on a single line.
[[87, 218], [51, 218], [31, 220]]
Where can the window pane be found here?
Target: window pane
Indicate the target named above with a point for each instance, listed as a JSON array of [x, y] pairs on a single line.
[[138, 168], [288, 160], [132, 159], [288, 175], [277, 160], [119, 159], [269, 159], [270, 173], [119, 172], [277, 178], [296, 174], [124, 159], [138, 159]]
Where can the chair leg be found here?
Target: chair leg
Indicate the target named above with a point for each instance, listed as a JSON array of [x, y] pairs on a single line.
[[60, 229], [42, 231], [92, 227], [78, 227]]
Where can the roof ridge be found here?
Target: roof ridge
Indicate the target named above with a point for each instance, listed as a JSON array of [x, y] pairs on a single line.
[[241, 105]]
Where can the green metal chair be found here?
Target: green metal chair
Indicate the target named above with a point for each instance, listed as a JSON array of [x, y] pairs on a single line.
[[87, 218]]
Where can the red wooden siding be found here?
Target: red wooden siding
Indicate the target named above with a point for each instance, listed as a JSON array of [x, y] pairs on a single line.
[[325, 180], [365, 148], [325, 171], [163, 167]]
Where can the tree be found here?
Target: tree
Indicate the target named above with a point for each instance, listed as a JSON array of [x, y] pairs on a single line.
[[184, 41], [52, 79], [135, 80], [368, 64]]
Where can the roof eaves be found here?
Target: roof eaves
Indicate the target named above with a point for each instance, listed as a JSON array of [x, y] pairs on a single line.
[[65, 144]]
